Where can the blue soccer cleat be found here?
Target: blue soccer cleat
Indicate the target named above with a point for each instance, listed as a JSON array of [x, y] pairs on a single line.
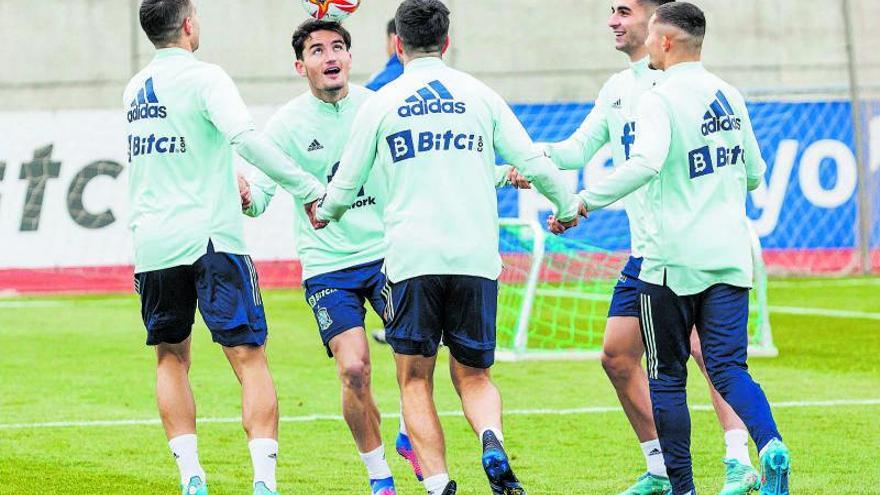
[[384, 486], [775, 468], [497, 467], [405, 449], [195, 487], [260, 488]]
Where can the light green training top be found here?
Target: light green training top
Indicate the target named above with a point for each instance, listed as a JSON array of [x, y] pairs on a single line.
[[612, 121], [434, 133], [184, 118], [698, 155], [313, 133]]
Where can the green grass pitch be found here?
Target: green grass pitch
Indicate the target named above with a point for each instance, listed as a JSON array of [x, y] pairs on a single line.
[[82, 359]]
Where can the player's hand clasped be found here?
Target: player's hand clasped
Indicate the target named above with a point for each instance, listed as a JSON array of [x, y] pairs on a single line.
[[312, 212], [244, 191], [518, 180], [558, 227]]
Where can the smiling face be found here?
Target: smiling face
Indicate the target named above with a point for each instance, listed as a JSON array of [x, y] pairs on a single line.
[[629, 23], [326, 62]]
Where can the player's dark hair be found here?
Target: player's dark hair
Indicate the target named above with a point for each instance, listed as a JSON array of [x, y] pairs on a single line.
[[310, 26], [391, 28], [162, 20], [655, 3], [422, 25], [685, 16]]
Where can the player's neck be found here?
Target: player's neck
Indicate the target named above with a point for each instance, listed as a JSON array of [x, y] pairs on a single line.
[[332, 97], [638, 54], [182, 44], [680, 58]]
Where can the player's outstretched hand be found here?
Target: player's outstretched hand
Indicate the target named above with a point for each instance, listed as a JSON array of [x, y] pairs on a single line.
[[244, 191], [312, 212], [558, 227], [518, 180]]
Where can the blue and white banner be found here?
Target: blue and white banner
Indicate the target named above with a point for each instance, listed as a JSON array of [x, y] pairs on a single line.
[[809, 196]]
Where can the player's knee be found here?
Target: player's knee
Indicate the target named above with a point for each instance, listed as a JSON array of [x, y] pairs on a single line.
[[175, 355], [697, 354], [619, 366], [355, 375]]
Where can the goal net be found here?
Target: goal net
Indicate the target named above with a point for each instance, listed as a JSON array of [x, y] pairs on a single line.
[[554, 294]]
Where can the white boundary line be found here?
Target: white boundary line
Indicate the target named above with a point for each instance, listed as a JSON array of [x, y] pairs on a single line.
[[828, 313], [311, 418]]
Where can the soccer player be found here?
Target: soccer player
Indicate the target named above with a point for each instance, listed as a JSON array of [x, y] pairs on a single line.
[[393, 68], [698, 156], [185, 119], [434, 133], [612, 120], [342, 264]]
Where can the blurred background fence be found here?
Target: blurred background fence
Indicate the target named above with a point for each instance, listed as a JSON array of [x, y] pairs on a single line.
[[809, 68]]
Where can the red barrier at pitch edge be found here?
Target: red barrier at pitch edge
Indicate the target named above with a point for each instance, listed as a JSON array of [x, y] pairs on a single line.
[[288, 274]]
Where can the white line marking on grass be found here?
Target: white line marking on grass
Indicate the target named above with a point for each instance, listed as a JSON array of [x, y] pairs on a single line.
[[311, 418], [829, 313], [839, 282]]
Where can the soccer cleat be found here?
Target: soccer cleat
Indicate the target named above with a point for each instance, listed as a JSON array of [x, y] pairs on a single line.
[[260, 488], [195, 487], [775, 468], [650, 484], [741, 479], [497, 467], [384, 486], [450, 489], [404, 448]]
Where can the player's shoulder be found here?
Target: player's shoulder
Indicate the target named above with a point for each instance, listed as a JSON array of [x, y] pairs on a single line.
[[359, 94]]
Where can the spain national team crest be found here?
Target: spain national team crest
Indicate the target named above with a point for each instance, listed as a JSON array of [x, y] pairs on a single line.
[[324, 320]]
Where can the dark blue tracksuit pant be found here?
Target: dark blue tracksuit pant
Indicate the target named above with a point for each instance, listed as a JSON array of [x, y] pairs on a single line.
[[721, 315]]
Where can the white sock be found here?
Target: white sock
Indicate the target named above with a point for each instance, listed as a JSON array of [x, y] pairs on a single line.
[[377, 466], [186, 452], [264, 455], [654, 458], [401, 425], [496, 431], [436, 484], [737, 442]]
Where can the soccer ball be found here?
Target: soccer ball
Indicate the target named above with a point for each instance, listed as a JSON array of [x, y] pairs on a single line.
[[330, 10]]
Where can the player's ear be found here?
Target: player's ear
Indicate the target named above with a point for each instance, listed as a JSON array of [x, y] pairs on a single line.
[[666, 43], [398, 46], [300, 67], [187, 26], [445, 46]]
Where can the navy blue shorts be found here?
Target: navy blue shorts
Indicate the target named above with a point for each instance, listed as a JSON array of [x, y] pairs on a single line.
[[460, 310], [625, 301], [337, 298], [720, 314], [226, 290]]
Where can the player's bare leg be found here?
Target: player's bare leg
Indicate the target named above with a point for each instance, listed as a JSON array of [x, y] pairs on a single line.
[[480, 399], [415, 375], [358, 407], [352, 354], [741, 477], [259, 411], [177, 408], [622, 352], [481, 403], [174, 396]]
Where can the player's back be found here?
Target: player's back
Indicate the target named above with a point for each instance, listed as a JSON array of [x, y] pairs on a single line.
[[181, 181], [700, 232], [438, 141]]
